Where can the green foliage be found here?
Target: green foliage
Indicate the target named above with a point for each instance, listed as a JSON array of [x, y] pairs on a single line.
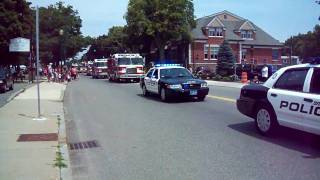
[[114, 42], [231, 78], [160, 21], [305, 45], [226, 60], [55, 46], [59, 161], [16, 21]]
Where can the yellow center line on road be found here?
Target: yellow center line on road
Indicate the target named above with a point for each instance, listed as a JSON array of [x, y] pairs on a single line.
[[222, 98]]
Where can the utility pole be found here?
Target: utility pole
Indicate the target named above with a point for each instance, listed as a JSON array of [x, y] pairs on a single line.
[[291, 44]]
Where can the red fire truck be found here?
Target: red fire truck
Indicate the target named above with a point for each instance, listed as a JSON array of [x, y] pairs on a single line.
[[99, 68], [125, 67]]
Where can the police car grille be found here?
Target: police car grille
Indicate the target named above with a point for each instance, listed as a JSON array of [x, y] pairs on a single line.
[[131, 70], [191, 86]]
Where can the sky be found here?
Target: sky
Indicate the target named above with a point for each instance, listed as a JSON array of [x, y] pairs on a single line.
[[279, 18]]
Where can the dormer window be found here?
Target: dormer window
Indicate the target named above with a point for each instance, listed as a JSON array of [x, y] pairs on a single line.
[[216, 32], [246, 34]]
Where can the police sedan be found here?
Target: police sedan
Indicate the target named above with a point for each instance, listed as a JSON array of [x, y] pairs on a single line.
[[171, 81], [290, 97]]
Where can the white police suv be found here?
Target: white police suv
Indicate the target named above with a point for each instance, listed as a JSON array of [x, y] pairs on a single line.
[[172, 80], [290, 97]]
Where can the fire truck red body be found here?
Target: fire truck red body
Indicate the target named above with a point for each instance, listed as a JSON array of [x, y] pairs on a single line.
[[125, 67], [99, 68]]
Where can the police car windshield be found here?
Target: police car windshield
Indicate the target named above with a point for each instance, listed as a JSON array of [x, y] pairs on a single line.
[[130, 61], [174, 72]]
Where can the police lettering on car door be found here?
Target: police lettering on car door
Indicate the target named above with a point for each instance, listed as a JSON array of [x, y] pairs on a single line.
[[294, 106]]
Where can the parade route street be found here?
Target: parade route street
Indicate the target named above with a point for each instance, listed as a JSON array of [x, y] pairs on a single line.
[[143, 138]]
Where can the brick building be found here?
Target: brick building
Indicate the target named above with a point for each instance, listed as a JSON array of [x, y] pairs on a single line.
[[250, 44]]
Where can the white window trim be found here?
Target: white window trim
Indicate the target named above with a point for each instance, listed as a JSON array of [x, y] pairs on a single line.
[[247, 38], [215, 28], [206, 45], [216, 36], [215, 46]]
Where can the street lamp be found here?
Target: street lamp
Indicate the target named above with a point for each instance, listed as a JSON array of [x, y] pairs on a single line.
[[61, 32]]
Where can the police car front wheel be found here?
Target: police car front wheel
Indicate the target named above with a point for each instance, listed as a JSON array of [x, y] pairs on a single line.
[[265, 121], [163, 95]]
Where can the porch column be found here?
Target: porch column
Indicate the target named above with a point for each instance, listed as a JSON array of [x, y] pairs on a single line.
[[240, 52], [189, 54]]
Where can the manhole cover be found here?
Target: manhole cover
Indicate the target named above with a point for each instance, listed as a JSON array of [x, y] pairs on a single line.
[[38, 137], [83, 145]]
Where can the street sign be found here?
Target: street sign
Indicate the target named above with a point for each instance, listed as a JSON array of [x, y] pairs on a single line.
[[19, 45]]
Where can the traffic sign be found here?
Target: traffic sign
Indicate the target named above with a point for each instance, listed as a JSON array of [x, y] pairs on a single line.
[[19, 45]]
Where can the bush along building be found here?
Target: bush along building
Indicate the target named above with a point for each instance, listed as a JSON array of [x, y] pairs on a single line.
[[249, 43]]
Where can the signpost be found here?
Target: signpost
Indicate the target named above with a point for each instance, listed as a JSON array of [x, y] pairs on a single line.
[[39, 118]]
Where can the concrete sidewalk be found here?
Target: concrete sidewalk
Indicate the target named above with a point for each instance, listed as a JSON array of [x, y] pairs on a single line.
[[225, 84], [30, 160]]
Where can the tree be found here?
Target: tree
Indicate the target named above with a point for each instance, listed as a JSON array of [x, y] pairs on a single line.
[[305, 45], [55, 46], [15, 21], [117, 40], [226, 60], [163, 21]]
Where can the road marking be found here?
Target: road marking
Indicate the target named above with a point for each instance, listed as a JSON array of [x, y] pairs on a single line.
[[222, 98]]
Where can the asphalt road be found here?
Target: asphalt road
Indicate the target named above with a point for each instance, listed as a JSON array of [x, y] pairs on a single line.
[[5, 96], [144, 138]]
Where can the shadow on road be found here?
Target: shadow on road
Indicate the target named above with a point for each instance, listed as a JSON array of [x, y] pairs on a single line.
[[155, 97], [289, 138]]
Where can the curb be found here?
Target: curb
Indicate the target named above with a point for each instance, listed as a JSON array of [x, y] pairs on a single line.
[[225, 86], [15, 94], [66, 173]]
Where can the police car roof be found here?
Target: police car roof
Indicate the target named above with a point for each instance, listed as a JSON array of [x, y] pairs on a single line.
[[302, 66]]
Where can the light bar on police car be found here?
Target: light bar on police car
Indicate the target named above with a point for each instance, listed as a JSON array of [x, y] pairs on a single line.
[[166, 65]]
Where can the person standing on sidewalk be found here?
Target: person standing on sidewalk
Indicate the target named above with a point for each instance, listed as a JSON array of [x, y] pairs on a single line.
[[264, 73]]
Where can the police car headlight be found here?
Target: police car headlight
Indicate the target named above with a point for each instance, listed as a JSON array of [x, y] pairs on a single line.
[[175, 86], [204, 85]]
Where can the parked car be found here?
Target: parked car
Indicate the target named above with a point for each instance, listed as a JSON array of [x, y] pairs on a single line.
[[204, 72], [6, 80]]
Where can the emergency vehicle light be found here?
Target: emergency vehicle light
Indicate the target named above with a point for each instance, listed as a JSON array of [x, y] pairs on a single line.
[[166, 65]]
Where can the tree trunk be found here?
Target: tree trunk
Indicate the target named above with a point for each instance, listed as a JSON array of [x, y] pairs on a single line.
[[161, 54], [160, 44]]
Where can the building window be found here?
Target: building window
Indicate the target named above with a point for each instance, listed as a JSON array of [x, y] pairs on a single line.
[[275, 54], [215, 32], [244, 54], [205, 50], [214, 52], [225, 16], [245, 34]]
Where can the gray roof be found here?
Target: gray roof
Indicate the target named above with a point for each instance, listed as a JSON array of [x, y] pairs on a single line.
[[261, 37]]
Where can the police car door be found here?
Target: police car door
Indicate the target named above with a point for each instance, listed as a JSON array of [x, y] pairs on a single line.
[[313, 116], [147, 79], [154, 81], [287, 97]]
